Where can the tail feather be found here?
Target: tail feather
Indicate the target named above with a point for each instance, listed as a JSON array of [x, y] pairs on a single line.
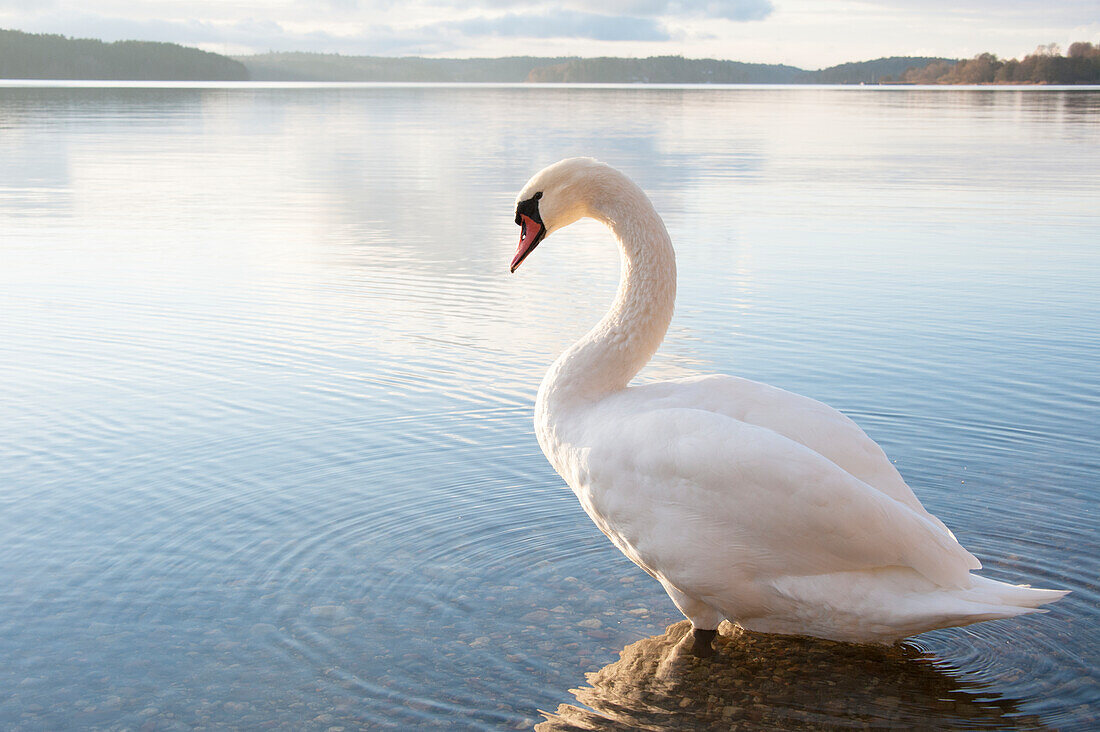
[[987, 599], [1020, 598], [888, 603]]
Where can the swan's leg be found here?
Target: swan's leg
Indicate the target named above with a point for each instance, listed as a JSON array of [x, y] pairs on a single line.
[[701, 642], [704, 621]]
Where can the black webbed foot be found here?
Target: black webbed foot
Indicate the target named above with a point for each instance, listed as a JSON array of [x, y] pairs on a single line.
[[702, 642]]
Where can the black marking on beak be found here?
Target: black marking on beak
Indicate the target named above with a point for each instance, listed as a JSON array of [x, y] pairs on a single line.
[[529, 208]]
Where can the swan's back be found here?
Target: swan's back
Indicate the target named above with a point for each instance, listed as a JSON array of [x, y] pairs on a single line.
[[806, 421]]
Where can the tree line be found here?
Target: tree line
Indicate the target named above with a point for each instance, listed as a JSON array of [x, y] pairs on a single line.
[[46, 56], [662, 70], [298, 66], [1081, 65]]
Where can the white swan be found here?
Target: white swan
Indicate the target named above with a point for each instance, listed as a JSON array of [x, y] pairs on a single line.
[[746, 502]]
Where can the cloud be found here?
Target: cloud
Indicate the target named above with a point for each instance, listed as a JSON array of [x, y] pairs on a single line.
[[367, 39], [1035, 11], [247, 32], [740, 10], [737, 10], [383, 27], [567, 24], [29, 5]]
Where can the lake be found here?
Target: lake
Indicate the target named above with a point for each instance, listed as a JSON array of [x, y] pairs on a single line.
[[266, 390]]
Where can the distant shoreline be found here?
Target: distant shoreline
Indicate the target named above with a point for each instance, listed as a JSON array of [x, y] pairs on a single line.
[[30, 56], [274, 85]]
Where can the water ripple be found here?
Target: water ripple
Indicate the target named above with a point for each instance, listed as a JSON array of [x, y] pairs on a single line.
[[266, 390]]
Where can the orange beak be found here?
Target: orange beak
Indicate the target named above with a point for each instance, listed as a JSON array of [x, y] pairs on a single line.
[[531, 233]]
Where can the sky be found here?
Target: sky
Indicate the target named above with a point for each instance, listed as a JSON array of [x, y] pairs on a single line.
[[810, 34]]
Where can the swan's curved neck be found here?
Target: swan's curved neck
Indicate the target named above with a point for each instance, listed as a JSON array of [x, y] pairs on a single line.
[[608, 357]]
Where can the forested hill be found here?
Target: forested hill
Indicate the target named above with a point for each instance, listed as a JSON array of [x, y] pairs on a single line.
[[874, 72], [334, 67], [42, 56], [653, 70], [1081, 65], [664, 70], [679, 70], [36, 56]]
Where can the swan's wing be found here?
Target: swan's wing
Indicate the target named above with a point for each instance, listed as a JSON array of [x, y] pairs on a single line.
[[697, 493], [807, 421]]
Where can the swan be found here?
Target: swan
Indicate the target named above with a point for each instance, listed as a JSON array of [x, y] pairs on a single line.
[[745, 502]]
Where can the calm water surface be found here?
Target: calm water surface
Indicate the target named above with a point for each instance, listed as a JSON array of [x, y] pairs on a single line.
[[266, 456]]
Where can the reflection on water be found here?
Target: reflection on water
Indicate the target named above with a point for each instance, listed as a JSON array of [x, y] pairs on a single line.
[[766, 682], [266, 453]]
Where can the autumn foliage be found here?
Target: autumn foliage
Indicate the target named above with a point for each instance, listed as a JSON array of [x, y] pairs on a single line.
[[1081, 65]]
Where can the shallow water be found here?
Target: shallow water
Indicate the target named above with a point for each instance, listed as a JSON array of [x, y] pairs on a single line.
[[266, 388]]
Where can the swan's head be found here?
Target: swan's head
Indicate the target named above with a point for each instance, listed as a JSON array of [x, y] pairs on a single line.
[[555, 197]]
